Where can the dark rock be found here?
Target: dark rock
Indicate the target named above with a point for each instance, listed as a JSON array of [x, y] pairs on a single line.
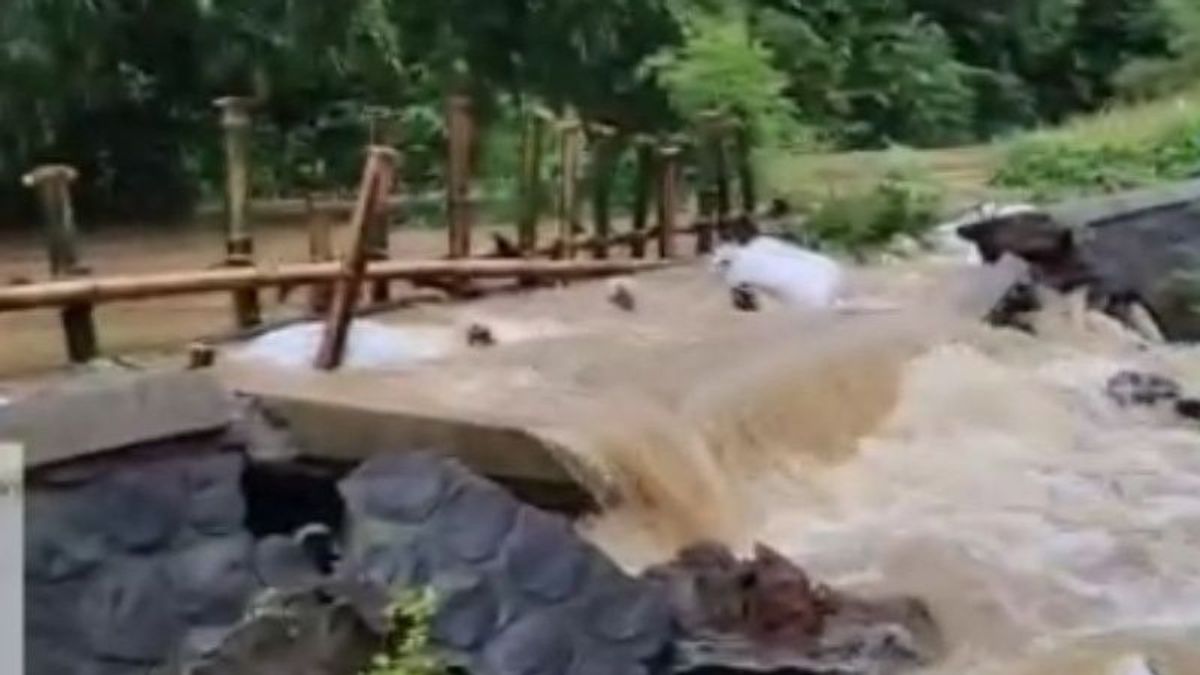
[[129, 614], [298, 633], [519, 591], [142, 507], [1189, 408], [744, 298], [64, 537], [215, 504], [538, 644], [764, 615], [282, 563], [214, 580], [622, 297], [1130, 388], [468, 613], [1128, 250], [479, 335], [476, 519], [400, 488], [544, 557]]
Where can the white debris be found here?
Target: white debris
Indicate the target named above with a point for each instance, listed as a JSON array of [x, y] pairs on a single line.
[[793, 275], [370, 345]]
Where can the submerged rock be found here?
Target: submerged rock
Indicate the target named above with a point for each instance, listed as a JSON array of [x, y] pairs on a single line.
[[765, 615]]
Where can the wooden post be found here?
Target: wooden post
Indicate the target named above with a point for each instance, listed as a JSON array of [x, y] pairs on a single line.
[[379, 240], [667, 199], [239, 245], [460, 128], [53, 184], [745, 169], [605, 154], [320, 249], [643, 193], [372, 194], [570, 144], [532, 142]]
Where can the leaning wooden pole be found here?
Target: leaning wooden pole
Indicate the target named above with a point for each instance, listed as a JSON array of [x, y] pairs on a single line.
[[53, 184], [460, 126], [239, 245], [376, 185], [100, 290]]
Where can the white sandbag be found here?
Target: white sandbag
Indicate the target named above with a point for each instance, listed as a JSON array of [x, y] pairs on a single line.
[[793, 275], [370, 345]]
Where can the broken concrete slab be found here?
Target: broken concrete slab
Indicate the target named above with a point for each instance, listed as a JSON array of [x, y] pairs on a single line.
[[111, 411]]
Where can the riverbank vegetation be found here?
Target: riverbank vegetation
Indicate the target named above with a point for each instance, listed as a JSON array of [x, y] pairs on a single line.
[[124, 90]]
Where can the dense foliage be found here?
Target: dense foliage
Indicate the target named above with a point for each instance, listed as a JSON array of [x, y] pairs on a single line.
[[123, 88]]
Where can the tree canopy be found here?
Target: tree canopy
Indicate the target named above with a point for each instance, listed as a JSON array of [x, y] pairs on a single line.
[[124, 88]]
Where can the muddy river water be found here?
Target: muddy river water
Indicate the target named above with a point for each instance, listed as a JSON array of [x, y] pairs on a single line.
[[900, 447]]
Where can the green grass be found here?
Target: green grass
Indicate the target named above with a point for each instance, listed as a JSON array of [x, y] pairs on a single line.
[[1125, 146]]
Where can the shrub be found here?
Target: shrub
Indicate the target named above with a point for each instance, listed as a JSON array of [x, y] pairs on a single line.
[[1052, 166], [409, 651], [905, 202]]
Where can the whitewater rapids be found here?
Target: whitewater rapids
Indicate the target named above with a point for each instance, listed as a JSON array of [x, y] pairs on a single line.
[[985, 471]]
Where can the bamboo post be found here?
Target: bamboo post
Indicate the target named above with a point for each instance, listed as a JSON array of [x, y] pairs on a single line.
[[53, 184], [643, 193], [239, 245], [376, 184], [320, 249], [458, 185], [570, 145], [667, 199], [533, 138], [605, 154]]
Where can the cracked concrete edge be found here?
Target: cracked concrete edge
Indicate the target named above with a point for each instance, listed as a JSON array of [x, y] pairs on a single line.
[[110, 411]]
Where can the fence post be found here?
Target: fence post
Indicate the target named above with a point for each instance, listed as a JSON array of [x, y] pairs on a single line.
[[605, 153], [460, 126], [532, 144], [643, 193], [668, 196], [239, 245], [320, 249], [379, 236], [53, 184], [570, 144], [372, 197]]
